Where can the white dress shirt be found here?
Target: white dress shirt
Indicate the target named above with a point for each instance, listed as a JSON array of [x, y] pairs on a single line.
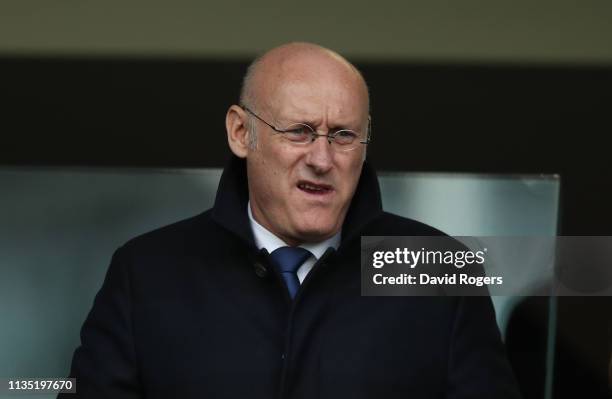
[[266, 239]]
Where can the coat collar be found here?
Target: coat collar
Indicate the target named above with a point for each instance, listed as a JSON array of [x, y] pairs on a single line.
[[230, 209]]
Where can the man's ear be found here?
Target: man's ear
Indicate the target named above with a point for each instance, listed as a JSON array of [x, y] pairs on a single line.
[[237, 131]]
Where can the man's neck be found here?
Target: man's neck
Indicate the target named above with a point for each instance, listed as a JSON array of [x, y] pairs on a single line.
[[264, 238]]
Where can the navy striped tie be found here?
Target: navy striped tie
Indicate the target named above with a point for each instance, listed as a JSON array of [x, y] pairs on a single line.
[[287, 261]]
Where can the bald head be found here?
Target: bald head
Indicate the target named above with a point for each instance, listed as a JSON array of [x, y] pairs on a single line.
[[297, 62]]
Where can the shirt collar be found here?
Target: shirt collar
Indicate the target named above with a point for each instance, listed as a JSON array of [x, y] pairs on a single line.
[[233, 196], [264, 238]]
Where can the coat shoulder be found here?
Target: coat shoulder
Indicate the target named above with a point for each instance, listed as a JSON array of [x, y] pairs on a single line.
[[389, 224], [177, 236]]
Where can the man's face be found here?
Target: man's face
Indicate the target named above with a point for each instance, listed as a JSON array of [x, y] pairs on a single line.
[[302, 192]]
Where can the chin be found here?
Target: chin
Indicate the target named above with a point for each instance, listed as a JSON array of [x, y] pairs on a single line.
[[317, 233], [315, 225]]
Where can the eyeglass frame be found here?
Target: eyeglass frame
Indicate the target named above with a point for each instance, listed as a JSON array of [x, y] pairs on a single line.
[[314, 135]]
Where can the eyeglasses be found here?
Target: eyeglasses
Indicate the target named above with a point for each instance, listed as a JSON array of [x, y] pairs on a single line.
[[302, 134]]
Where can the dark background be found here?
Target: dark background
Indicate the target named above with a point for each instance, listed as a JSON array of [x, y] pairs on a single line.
[[481, 118]]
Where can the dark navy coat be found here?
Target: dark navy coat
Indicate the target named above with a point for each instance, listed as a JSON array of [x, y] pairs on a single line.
[[194, 310]]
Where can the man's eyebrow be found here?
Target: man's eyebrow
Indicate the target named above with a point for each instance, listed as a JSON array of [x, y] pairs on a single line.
[[314, 122], [346, 126], [300, 119], [332, 128]]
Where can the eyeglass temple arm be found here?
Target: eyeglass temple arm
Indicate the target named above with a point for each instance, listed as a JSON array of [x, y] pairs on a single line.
[[369, 132], [259, 117]]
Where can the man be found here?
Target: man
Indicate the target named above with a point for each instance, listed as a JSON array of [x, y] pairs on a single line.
[[259, 297]]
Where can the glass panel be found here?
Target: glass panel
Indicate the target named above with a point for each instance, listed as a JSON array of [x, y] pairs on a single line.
[[60, 228]]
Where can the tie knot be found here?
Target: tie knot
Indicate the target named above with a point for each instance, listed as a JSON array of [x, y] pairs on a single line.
[[289, 259]]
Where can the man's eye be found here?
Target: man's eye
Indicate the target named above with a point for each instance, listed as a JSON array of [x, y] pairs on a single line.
[[298, 132], [346, 134], [345, 137]]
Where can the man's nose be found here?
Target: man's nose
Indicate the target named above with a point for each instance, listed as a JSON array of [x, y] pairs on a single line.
[[320, 155]]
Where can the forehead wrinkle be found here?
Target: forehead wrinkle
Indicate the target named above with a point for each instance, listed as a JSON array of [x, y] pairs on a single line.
[[293, 110]]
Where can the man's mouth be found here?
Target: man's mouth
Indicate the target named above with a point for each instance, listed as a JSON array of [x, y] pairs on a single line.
[[314, 188]]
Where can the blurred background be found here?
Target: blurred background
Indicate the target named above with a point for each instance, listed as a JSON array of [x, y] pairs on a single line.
[[113, 109]]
